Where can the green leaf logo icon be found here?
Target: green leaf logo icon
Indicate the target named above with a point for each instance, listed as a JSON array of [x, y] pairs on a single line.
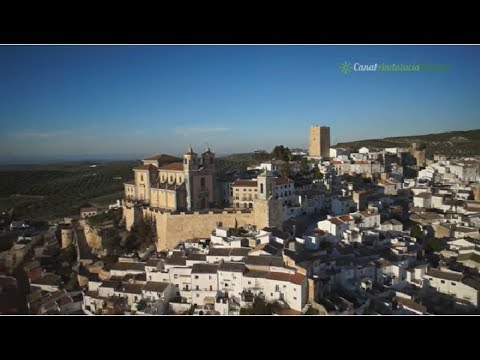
[[345, 67]]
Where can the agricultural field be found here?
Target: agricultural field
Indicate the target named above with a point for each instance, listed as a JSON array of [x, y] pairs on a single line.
[[47, 192]]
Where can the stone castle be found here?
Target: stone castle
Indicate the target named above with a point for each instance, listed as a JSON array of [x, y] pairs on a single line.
[[178, 197]]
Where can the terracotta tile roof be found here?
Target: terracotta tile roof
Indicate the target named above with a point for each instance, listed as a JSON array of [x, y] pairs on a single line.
[[444, 275], [204, 268], [282, 181], [472, 282], [219, 252], [345, 218], [296, 278], [197, 257], [318, 231], [155, 286], [408, 303], [128, 266], [239, 251], [88, 209], [335, 221], [143, 167], [245, 183], [176, 166], [131, 288], [163, 158], [366, 213], [232, 267]]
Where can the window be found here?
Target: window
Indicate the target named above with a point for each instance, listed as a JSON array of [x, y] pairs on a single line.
[[249, 283], [197, 287], [202, 182], [184, 161], [175, 276], [196, 276], [136, 298], [198, 295], [171, 178], [141, 177], [250, 205], [454, 284], [211, 160], [236, 189], [284, 286], [261, 188], [150, 277], [442, 281], [294, 289], [294, 298], [209, 277], [271, 294]]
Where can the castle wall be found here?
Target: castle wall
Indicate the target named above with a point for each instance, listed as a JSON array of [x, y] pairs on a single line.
[[173, 228]]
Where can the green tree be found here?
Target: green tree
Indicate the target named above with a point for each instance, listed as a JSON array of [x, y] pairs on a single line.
[[435, 245], [142, 305], [417, 233], [316, 173], [304, 166], [285, 170], [282, 153], [261, 307]]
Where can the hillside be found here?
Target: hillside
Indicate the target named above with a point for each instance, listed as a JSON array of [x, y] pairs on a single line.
[[453, 143], [45, 192]]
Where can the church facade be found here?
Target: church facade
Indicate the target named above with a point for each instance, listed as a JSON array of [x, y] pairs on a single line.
[[176, 184]]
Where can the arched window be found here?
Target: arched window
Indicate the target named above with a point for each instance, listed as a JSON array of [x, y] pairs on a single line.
[[141, 177]]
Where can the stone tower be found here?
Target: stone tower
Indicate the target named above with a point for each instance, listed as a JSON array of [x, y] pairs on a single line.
[[190, 162], [319, 142], [265, 185], [208, 159], [268, 210]]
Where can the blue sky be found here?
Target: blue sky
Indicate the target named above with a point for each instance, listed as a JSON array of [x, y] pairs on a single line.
[[131, 101]]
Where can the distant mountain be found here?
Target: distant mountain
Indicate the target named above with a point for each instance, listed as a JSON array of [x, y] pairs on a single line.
[[453, 143]]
